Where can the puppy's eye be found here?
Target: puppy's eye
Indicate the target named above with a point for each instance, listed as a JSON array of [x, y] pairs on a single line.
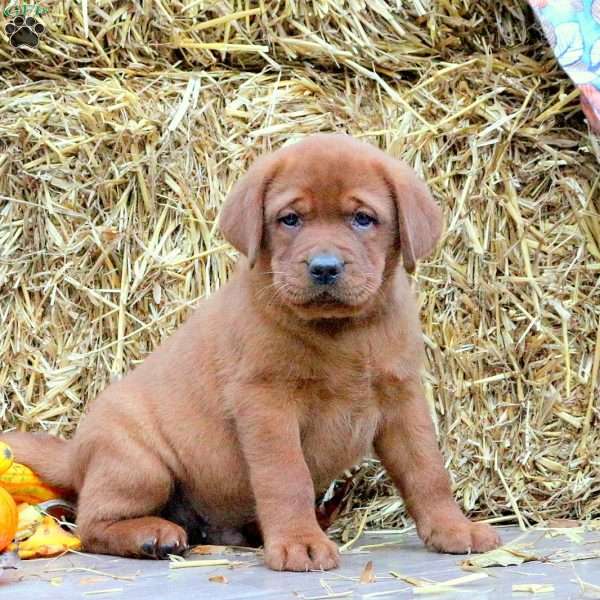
[[363, 220], [291, 220]]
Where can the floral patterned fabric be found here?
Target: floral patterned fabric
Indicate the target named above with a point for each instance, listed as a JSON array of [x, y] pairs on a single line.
[[572, 28]]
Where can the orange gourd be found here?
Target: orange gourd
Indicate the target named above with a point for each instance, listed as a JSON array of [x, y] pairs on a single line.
[[25, 486], [9, 518]]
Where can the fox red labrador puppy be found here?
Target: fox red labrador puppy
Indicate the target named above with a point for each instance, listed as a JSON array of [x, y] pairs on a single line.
[[309, 357]]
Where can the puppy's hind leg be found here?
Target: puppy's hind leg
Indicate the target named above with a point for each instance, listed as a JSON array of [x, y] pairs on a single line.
[[118, 503]]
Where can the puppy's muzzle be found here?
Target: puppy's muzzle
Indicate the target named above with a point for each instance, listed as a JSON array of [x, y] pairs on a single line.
[[325, 269]]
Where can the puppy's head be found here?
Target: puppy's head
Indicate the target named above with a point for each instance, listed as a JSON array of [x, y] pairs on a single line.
[[327, 219]]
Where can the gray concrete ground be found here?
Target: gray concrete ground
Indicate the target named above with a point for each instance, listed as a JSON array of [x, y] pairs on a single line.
[[92, 576]]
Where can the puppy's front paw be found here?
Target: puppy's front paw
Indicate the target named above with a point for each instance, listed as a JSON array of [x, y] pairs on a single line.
[[162, 539], [301, 552], [458, 536]]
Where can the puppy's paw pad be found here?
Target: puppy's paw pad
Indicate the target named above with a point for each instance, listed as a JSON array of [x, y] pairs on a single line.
[[175, 547], [148, 548], [24, 31], [302, 553]]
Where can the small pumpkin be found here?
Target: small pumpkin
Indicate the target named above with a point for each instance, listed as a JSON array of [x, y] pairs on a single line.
[[9, 518], [6, 457]]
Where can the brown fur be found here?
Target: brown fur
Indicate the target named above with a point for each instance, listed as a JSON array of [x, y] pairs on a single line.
[[272, 388]]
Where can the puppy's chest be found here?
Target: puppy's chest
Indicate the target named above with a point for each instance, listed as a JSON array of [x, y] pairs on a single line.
[[336, 397], [337, 406], [337, 428]]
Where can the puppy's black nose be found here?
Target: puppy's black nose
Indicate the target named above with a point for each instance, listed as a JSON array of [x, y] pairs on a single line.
[[324, 269]]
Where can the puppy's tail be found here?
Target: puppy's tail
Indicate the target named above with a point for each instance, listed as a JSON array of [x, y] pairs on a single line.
[[47, 455]]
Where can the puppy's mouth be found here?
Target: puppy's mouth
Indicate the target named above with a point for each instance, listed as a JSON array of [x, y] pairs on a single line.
[[332, 298], [325, 299]]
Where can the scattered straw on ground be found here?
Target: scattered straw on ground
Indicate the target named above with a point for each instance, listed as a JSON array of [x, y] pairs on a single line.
[[122, 133]]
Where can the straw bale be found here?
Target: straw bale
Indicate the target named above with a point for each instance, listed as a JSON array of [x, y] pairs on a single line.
[[390, 37], [118, 146]]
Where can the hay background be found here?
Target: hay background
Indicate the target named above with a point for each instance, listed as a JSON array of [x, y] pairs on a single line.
[[122, 133]]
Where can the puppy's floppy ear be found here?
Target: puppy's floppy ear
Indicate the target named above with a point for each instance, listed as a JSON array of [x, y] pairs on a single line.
[[419, 217], [242, 216]]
